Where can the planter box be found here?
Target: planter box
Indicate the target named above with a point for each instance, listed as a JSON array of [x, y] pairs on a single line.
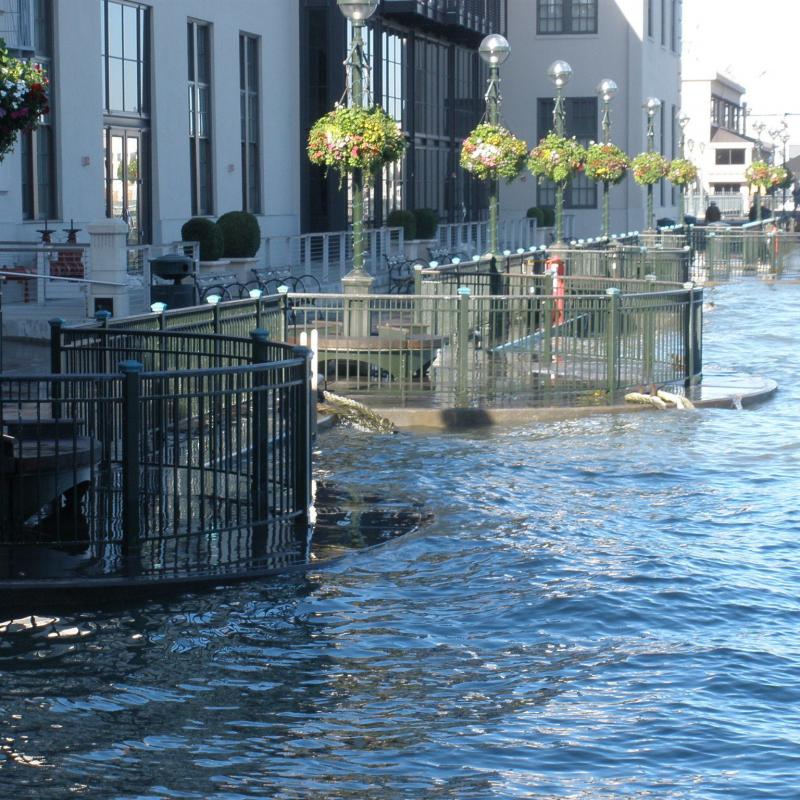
[[242, 267]]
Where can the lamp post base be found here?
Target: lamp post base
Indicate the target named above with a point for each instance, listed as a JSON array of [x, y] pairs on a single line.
[[356, 311]]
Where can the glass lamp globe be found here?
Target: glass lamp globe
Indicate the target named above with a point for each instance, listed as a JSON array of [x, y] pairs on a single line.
[[357, 10], [607, 89], [559, 73], [683, 118], [494, 49], [651, 105]]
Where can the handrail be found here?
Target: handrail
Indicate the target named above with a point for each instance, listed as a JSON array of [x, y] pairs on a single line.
[[37, 276]]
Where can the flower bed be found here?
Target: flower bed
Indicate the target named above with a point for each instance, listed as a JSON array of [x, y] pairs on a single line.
[[348, 139], [682, 172], [557, 158], [649, 168], [491, 152], [606, 163], [23, 98]]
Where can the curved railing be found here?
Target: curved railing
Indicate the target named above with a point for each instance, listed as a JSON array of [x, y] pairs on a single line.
[[155, 455]]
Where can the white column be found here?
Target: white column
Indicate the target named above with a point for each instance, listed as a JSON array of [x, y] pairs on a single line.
[[108, 259]]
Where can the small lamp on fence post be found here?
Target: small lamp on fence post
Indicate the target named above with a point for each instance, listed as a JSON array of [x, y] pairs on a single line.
[[357, 12], [559, 73], [683, 120], [493, 50], [607, 90], [651, 107]]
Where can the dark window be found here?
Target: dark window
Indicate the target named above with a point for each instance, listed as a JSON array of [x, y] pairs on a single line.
[[726, 114], [37, 148], [566, 16], [580, 122], [663, 22], [124, 51], [726, 188], [393, 93], [250, 108], [673, 19], [728, 155], [650, 21], [200, 128]]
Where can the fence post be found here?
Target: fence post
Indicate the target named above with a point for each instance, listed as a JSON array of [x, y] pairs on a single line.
[[463, 343], [547, 322], [2, 283], [649, 333], [131, 431], [612, 340], [688, 335], [302, 444], [711, 254], [56, 332], [108, 257], [260, 444]]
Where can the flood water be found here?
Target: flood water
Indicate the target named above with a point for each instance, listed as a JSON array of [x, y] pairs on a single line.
[[597, 609]]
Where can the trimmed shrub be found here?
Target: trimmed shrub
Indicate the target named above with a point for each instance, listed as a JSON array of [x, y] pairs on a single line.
[[241, 234], [536, 213], [400, 218], [207, 232], [427, 222], [549, 215]]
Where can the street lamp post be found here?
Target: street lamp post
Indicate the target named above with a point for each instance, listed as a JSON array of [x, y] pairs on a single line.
[[358, 12], [651, 106], [607, 90], [559, 73], [493, 50], [683, 121], [758, 127], [785, 136]]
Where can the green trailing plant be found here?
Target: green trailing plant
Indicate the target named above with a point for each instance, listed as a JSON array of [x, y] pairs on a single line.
[[241, 234], [427, 222], [208, 234], [23, 98], [401, 218], [491, 152], [682, 172], [605, 163], [761, 176], [649, 168], [557, 158], [347, 139]]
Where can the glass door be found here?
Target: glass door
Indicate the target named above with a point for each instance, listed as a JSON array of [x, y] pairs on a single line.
[[126, 188]]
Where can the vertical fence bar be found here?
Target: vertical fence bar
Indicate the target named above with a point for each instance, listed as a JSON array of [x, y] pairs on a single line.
[[463, 343], [612, 340], [2, 284], [648, 320], [302, 443], [131, 431]]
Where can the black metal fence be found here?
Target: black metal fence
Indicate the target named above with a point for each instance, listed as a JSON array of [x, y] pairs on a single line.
[[155, 455]]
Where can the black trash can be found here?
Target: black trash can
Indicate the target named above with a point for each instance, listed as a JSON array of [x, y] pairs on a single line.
[[172, 267]]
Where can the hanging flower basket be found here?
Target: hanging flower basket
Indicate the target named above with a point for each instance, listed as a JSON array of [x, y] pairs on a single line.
[[606, 163], [649, 168], [23, 98], [557, 158], [348, 139], [759, 176], [682, 172], [781, 178], [491, 152]]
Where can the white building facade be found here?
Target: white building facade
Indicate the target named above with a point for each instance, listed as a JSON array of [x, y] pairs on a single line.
[[717, 140], [160, 111], [636, 43]]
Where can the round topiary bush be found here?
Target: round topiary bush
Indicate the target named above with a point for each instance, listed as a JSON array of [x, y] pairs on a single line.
[[549, 216], [427, 222], [207, 232], [241, 234], [400, 218], [536, 213]]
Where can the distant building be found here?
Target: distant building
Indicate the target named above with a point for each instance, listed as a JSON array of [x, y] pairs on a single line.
[[717, 140], [635, 43]]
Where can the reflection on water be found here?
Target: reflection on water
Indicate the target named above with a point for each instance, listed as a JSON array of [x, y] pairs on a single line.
[[597, 609]]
